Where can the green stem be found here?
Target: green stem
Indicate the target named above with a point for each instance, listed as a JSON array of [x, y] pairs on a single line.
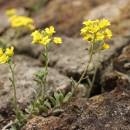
[[94, 76], [86, 69], [92, 83], [14, 89], [44, 81]]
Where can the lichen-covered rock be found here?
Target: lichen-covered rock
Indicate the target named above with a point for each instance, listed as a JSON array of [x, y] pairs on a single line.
[[109, 111]]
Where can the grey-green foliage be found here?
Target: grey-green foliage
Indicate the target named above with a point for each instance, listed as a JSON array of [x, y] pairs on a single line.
[[51, 103]]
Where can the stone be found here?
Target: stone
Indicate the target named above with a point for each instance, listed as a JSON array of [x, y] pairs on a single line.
[[109, 111], [122, 62], [71, 57], [66, 16], [25, 69], [111, 10], [24, 45]]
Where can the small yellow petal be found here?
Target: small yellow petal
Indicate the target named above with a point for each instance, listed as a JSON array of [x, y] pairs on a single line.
[[106, 46], [57, 40], [50, 31], [10, 12], [9, 51], [4, 59]]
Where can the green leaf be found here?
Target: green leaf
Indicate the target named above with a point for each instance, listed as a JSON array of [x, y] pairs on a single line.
[[57, 97], [67, 97], [61, 97], [52, 100], [46, 103]]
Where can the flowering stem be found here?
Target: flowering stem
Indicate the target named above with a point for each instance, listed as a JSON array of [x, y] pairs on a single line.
[[44, 81], [86, 69], [14, 89], [92, 82]]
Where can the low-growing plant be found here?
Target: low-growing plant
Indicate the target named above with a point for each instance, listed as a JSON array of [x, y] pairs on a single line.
[[44, 38], [50, 104], [19, 21], [95, 32], [6, 55]]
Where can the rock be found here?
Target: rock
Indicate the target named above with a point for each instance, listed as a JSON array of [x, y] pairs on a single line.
[[109, 111], [42, 123], [24, 76], [24, 45], [122, 62], [71, 57], [25, 69], [112, 79], [65, 15], [114, 12], [15, 3]]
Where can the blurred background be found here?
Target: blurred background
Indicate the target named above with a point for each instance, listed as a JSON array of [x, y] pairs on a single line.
[[67, 15]]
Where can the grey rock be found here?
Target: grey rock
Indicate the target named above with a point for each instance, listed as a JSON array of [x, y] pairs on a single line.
[[111, 10], [71, 57], [122, 62], [24, 45], [25, 69]]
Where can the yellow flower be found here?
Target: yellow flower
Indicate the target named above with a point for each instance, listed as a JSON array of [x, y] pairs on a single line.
[[45, 40], [1, 52], [104, 23], [11, 12], [37, 36], [96, 31], [89, 37], [4, 59], [99, 36], [45, 36], [50, 31], [107, 34], [106, 46], [9, 51], [57, 40], [6, 54], [21, 21]]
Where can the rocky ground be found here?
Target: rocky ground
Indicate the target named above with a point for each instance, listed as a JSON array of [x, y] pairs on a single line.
[[109, 105]]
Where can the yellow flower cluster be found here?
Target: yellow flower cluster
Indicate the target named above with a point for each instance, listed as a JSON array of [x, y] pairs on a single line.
[[95, 31], [11, 12], [6, 54], [19, 21], [45, 36]]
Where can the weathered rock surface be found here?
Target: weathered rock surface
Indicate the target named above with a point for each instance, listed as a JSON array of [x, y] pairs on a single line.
[[24, 45], [109, 111], [122, 62], [25, 69], [72, 56], [114, 13], [66, 15]]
